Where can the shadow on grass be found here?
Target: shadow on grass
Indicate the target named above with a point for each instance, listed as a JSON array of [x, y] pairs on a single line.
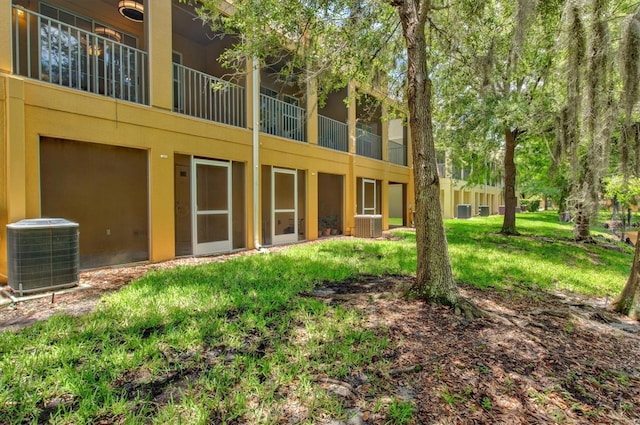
[[227, 328]]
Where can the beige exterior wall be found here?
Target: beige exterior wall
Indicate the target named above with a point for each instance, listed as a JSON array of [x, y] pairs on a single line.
[[454, 192]]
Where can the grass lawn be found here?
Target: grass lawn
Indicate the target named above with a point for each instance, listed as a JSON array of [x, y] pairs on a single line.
[[545, 256], [395, 221], [243, 342]]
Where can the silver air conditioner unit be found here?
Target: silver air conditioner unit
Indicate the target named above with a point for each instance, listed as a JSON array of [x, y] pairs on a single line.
[[42, 254], [368, 226]]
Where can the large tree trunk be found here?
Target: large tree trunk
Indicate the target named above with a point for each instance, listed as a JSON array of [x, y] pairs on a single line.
[[628, 302], [582, 224], [434, 279], [510, 200]]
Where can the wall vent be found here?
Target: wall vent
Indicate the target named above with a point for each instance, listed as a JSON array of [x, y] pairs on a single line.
[[368, 226], [42, 254]]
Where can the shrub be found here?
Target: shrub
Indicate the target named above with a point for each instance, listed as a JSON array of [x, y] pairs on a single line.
[[531, 204]]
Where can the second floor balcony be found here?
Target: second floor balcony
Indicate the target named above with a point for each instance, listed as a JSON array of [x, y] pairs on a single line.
[[333, 134], [397, 153], [282, 118], [367, 143], [204, 96], [94, 61], [89, 47]]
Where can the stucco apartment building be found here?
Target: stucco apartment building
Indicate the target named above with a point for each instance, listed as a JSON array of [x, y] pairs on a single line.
[[118, 116]]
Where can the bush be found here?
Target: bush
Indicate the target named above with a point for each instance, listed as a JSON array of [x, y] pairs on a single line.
[[531, 204]]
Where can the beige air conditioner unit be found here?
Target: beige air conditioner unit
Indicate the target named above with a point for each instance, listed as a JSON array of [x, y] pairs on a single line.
[[368, 226]]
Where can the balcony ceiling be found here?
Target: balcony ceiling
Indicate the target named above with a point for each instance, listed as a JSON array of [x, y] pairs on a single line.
[[187, 23], [185, 20]]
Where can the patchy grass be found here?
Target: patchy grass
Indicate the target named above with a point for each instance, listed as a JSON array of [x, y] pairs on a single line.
[[201, 344], [240, 342]]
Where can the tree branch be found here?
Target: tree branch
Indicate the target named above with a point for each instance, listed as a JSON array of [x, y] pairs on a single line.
[[423, 12]]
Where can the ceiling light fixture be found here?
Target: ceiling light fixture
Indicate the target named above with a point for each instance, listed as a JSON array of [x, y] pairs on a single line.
[[131, 9], [109, 33]]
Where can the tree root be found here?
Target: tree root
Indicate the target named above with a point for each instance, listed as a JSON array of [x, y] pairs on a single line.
[[470, 311], [627, 307], [549, 312], [509, 232]]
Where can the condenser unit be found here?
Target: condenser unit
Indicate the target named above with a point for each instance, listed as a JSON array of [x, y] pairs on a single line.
[[464, 211], [368, 226], [42, 254]]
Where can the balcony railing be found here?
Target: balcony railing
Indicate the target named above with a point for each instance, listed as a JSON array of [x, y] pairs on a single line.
[[61, 54], [281, 118], [368, 144], [460, 173], [204, 96], [333, 134], [397, 153]]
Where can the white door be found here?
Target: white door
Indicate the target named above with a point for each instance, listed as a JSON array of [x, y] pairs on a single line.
[[211, 194], [368, 196], [284, 199]]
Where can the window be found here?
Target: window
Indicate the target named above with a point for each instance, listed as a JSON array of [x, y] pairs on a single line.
[[268, 92]]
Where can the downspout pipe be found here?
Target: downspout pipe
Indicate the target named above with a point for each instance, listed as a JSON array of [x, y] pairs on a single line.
[[255, 119]]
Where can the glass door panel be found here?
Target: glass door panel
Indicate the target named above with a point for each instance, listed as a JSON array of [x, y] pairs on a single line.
[[284, 193], [212, 228], [368, 196], [285, 223], [211, 187]]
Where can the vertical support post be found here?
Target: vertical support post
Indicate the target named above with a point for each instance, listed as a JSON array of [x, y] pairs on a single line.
[[6, 26], [312, 111], [385, 131], [352, 116], [159, 46], [161, 206], [255, 125]]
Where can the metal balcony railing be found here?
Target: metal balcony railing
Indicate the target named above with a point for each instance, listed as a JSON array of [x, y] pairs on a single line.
[[368, 144], [281, 118], [397, 153], [58, 53], [333, 134], [460, 173], [204, 96]]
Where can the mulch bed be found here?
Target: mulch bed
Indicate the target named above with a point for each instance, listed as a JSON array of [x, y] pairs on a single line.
[[543, 357]]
